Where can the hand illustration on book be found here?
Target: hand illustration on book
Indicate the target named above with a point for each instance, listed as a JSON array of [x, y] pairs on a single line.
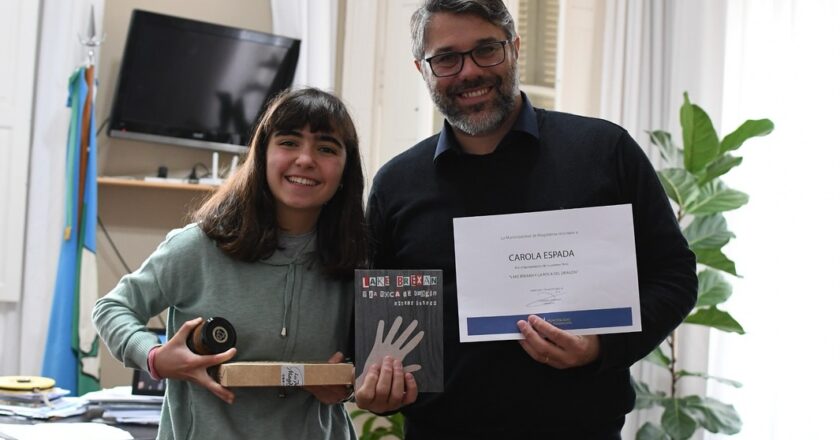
[[390, 347]]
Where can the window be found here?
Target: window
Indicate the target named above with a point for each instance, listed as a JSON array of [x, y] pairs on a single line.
[[537, 23]]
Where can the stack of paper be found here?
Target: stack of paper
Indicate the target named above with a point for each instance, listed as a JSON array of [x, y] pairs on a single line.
[[121, 406], [60, 407], [40, 404], [86, 431], [37, 397]]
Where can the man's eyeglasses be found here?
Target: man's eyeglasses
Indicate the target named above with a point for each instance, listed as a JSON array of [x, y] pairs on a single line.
[[451, 63]]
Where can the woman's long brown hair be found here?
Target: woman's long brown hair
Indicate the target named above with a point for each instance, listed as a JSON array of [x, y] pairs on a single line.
[[241, 216]]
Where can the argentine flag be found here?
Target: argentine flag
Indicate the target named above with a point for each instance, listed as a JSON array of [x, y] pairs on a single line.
[[71, 354]]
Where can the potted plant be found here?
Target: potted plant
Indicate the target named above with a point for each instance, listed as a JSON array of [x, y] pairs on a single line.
[[691, 177]]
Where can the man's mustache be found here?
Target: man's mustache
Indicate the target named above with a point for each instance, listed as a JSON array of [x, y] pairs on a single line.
[[474, 83]]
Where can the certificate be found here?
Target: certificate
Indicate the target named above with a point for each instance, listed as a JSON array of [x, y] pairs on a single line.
[[575, 268]]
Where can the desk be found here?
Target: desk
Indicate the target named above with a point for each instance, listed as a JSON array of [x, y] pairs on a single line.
[[140, 432]]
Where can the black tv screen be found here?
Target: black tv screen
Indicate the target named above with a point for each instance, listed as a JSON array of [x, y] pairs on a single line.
[[197, 84]]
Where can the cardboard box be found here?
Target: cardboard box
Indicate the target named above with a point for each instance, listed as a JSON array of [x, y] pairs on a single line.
[[285, 374]]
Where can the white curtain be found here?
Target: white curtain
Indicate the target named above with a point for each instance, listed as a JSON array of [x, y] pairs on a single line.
[[23, 325], [315, 23], [783, 63], [634, 88], [636, 66], [654, 50]]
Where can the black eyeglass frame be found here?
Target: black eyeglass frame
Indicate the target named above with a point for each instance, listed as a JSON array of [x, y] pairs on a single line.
[[470, 52]]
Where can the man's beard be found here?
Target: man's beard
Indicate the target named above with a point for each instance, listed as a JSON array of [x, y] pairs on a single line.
[[480, 118]]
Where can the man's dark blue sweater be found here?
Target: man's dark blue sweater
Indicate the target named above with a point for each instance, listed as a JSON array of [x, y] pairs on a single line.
[[548, 161]]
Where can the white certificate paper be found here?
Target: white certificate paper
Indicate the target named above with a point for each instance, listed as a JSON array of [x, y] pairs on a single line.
[[575, 268]]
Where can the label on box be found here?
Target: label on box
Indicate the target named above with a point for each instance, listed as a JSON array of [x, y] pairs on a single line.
[[292, 375]]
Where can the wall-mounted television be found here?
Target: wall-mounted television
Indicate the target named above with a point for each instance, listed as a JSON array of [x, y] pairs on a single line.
[[197, 84]]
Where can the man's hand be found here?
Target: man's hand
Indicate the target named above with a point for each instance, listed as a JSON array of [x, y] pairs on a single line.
[[174, 360], [387, 387], [552, 346], [330, 394]]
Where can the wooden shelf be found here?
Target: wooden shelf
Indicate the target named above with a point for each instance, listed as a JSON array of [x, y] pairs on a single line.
[[137, 183]]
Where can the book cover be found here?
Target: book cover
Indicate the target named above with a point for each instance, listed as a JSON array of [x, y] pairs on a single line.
[[400, 313]]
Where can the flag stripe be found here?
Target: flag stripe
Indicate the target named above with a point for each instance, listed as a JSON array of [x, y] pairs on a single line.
[[88, 292], [87, 117], [59, 359], [71, 353]]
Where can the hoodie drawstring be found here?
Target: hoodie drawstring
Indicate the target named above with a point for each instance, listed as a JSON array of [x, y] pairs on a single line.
[[288, 294]]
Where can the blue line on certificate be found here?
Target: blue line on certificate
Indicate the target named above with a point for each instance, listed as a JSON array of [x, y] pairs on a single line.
[[574, 320]]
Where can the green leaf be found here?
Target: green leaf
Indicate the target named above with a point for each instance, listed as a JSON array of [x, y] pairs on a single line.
[[679, 184], [719, 167], [715, 259], [723, 380], [715, 318], [749, 129], [712, 288], [713, 415], [367, 427], [398, 421], [708, 232], [645, 398], [670, 153], [649, 431], [676, 422], [700, 140], [716, 197], [658, 357], [393, 425]]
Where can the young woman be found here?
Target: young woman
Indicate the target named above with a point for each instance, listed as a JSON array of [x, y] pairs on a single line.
[[273, 252]]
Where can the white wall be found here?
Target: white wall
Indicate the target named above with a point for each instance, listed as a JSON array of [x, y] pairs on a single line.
[[18, 34], [384, 92], [24, 324]]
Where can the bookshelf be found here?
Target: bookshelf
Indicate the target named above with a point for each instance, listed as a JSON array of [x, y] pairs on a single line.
[[139, 183]]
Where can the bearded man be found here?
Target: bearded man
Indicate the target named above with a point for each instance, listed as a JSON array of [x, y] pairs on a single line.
[[497, 154]]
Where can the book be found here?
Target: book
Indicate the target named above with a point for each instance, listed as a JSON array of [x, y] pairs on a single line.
[[400, 313]]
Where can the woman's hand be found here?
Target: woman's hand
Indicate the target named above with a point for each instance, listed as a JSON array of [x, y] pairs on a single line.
[[387, 387], [330, 394], [174, 360], [391, 345]]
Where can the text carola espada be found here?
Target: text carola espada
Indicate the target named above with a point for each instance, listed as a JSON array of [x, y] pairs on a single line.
[[544, 255]]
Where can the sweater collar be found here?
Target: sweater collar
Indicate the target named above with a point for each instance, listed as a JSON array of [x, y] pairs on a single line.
[[297, 249]]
